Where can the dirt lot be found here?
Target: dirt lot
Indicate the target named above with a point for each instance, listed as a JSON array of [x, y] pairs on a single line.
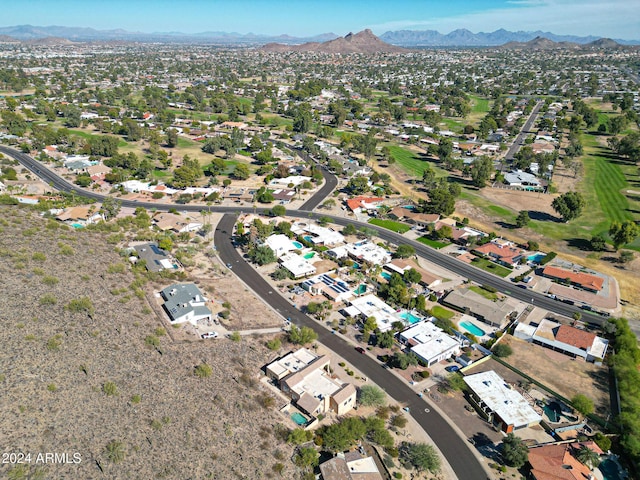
[[519, 200], [60, 351], [561, 373]]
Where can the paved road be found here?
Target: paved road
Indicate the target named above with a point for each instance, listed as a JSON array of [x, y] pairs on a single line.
[[472, 273], [526, 128], [455, 449]]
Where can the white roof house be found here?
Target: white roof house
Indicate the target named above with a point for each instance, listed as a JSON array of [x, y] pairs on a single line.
[[499, 403], [318, 235], [368, 252], [519, 178], [330, 285], [429, 342], [280, 244], [294, 180], [297, 265], [290, 363], [371, 306]]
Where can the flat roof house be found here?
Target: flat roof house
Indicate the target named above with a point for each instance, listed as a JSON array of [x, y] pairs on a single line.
[[429, 342], [368, 252], [371, 306], [499, 403], [303, 376], [185, 303], [297, 265]]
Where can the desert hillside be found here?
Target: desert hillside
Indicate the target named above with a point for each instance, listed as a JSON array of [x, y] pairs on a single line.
[[79, 372]]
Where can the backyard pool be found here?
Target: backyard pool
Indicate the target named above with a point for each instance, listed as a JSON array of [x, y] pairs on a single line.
[[296, 245], [360, 290], [536, 258], [410, 317], [409, 207], [309, 255], [77, 225], [299, 418], [552, 411], [609, 469], [471, 328], [307, 238], [386, 276]]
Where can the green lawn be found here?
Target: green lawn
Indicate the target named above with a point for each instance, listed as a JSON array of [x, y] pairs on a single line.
[[485, 293], [479, 105], [453, 125], [490, 267], [442, 313], [390, 225], [432, 243], [411, 162]]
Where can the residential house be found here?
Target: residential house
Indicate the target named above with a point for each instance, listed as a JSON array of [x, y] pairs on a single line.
[[305, 377], [171, 222], [81, 215], [429, 342], [316, 234], [400, 265], [522, 180], [358, 204], [499, 403], [280, 244], [297, 265], [508, 255], [368, 252], [352, 465], [283, 195], [585, 281], [372, 306], [291, 180], [185, 303], [494, 313], [559, 462], [330, 285], [155, 258], [564, 338]]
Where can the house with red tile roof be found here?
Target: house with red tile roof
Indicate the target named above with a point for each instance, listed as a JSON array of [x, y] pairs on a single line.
[[364, 203], [586, 281], [504, 254], [558, 462], [569, 340]]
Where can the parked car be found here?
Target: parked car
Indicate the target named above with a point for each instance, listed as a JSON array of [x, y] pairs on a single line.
[[209, 335], [452, 368]]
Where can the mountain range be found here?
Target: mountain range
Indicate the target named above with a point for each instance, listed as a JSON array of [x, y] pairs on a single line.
[[404, 38]]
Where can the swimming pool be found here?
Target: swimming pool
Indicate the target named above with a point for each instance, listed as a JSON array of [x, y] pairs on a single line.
[[410, 317], [298, 418], [386, 276], [409, 207], [307, 238], [296, 245], [536, 258], [471, 328], [360, 290], [609, 470], [552, 411], [309, 255], [77, 225]]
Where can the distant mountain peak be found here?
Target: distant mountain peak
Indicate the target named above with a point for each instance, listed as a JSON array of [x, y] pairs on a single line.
[[361, 42]]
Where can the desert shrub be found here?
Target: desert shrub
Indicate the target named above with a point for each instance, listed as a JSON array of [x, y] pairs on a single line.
[[110, 389], [203, 370], [81, 305], [115, 451], [274, 344]]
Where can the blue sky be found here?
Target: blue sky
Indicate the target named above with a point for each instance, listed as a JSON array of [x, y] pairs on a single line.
[[607, 18]]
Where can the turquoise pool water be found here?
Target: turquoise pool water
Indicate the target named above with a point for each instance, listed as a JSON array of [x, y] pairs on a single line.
[[410, 317], [471, 328], [309, 255], [77, 225], [360, 290], [409, 207], [296, 245], [536, 258], [307, 238], [385, 275], [356, 265], [609, 470], [298, 418]]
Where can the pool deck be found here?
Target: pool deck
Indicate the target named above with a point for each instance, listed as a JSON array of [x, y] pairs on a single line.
[[487, 329]]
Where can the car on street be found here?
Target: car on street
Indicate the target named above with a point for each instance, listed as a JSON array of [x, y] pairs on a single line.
[[360, 350], [209, 335], [229, 266]]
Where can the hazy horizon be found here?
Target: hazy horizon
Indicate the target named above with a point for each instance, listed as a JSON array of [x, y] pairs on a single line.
[[601, 18]]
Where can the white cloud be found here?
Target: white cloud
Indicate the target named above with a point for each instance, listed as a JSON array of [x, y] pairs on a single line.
[[608, 18]]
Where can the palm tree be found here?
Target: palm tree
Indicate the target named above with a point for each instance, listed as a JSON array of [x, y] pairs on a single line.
[[588, 457]]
